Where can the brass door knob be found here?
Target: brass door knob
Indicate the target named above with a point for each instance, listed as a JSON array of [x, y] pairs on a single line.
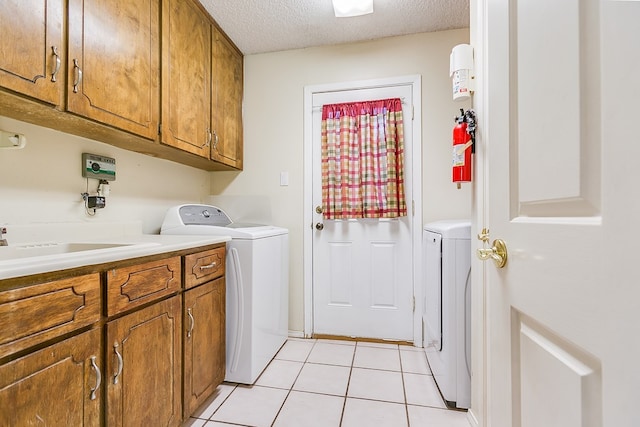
[[497, 252]]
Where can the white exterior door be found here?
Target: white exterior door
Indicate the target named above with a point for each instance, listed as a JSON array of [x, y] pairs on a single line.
[[363, 269], [557, 99]]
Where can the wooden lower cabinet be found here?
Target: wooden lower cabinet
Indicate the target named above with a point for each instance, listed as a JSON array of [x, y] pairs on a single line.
[[204, 336], [64, 363], [58, 385], [144, 366]]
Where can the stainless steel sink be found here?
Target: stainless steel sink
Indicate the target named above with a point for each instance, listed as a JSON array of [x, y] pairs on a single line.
[[43, 249]]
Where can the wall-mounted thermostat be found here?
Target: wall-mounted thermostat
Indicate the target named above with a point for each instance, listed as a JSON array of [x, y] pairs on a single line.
[[98, 167]]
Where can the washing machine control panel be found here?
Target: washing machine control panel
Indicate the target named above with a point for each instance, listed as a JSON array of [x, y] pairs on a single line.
[[203, 215]]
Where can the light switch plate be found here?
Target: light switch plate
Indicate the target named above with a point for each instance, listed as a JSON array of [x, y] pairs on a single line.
[[284, 179]]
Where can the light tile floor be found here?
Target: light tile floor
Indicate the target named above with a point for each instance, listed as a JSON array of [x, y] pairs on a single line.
[[327, 383]]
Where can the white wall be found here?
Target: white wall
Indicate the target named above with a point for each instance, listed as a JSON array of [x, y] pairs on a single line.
[[43, 181], [273, 129]]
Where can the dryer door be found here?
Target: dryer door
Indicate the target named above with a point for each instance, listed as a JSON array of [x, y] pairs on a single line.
[[432, 316]]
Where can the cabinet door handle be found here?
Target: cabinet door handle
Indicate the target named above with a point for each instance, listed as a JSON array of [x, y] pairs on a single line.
[[208, 141], [57, 66], [215, 140], [78, 76], [191, 324], [98, 377], [208, 266], [120, 363]]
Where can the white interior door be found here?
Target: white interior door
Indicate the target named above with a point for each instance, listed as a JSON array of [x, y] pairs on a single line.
[[560, 86], [363, 268]]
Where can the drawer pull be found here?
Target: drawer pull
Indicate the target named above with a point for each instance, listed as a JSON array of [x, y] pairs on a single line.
[[208, 266], [98, 377], [192, 322], [120, 363]]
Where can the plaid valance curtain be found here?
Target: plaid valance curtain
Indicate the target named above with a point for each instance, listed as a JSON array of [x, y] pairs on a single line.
[[363, 160]]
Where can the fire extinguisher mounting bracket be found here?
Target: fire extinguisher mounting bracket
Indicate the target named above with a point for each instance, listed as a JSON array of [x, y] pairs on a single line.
[[469, 117]]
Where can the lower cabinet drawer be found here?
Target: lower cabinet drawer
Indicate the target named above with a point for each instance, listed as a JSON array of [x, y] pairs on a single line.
[[44, 311], [203, 266], [130, 287]]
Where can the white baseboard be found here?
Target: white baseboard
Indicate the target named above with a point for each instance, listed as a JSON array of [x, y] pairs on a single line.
[[296, 334], [473, 420]]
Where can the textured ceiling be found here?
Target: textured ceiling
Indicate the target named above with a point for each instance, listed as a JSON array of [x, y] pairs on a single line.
[[258, 26]]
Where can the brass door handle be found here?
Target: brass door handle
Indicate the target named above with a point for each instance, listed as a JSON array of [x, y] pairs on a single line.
[[497, 252]]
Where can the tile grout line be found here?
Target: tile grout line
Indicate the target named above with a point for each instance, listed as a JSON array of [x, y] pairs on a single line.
[[294, 381], [346, 392], [306, 362], [404, 388]]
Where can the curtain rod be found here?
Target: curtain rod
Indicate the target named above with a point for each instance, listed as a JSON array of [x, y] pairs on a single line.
[[319, 107]]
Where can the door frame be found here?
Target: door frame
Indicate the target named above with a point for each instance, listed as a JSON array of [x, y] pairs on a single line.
[[414, 201], [477, 414]]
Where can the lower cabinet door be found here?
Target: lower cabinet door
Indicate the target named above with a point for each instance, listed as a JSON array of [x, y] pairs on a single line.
[[204, 336], [56, 386], [144, 366]]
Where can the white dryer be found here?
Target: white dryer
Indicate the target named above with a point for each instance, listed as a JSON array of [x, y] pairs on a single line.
[[446, 317], [257, 285]]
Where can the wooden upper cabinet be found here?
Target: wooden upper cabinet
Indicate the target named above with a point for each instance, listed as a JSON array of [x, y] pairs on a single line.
[[32, 48], [114, 63], [227, 102], [186, 77]]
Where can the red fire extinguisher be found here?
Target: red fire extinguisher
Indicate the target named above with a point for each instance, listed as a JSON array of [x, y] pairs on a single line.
[[463, 139]]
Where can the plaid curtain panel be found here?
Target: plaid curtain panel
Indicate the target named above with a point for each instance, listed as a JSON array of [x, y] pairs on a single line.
[[363, 160]]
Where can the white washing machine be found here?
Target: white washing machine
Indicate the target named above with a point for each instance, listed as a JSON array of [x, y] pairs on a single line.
[[257, 285], [446, 317]]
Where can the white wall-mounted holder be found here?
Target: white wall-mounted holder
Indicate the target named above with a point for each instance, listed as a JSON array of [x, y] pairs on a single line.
[[461, 71], [12, 140], [103, 169]]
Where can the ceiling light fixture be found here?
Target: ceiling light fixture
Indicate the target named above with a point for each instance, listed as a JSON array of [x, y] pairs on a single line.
[[348, 8]]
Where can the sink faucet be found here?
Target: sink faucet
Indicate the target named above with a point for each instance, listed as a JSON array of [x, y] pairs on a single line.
[[3, 241]]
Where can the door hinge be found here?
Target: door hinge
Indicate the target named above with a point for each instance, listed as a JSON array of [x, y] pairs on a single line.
[[413, 112], [413, 208], [413, 303], [160, 129]]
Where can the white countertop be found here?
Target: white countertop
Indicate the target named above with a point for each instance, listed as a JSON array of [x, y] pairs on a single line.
[[135, 245]]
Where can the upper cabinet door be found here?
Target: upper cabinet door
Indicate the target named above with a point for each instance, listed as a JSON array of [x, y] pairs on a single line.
[[186, 77], [114, 63], [227, 102], [32, 48]]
